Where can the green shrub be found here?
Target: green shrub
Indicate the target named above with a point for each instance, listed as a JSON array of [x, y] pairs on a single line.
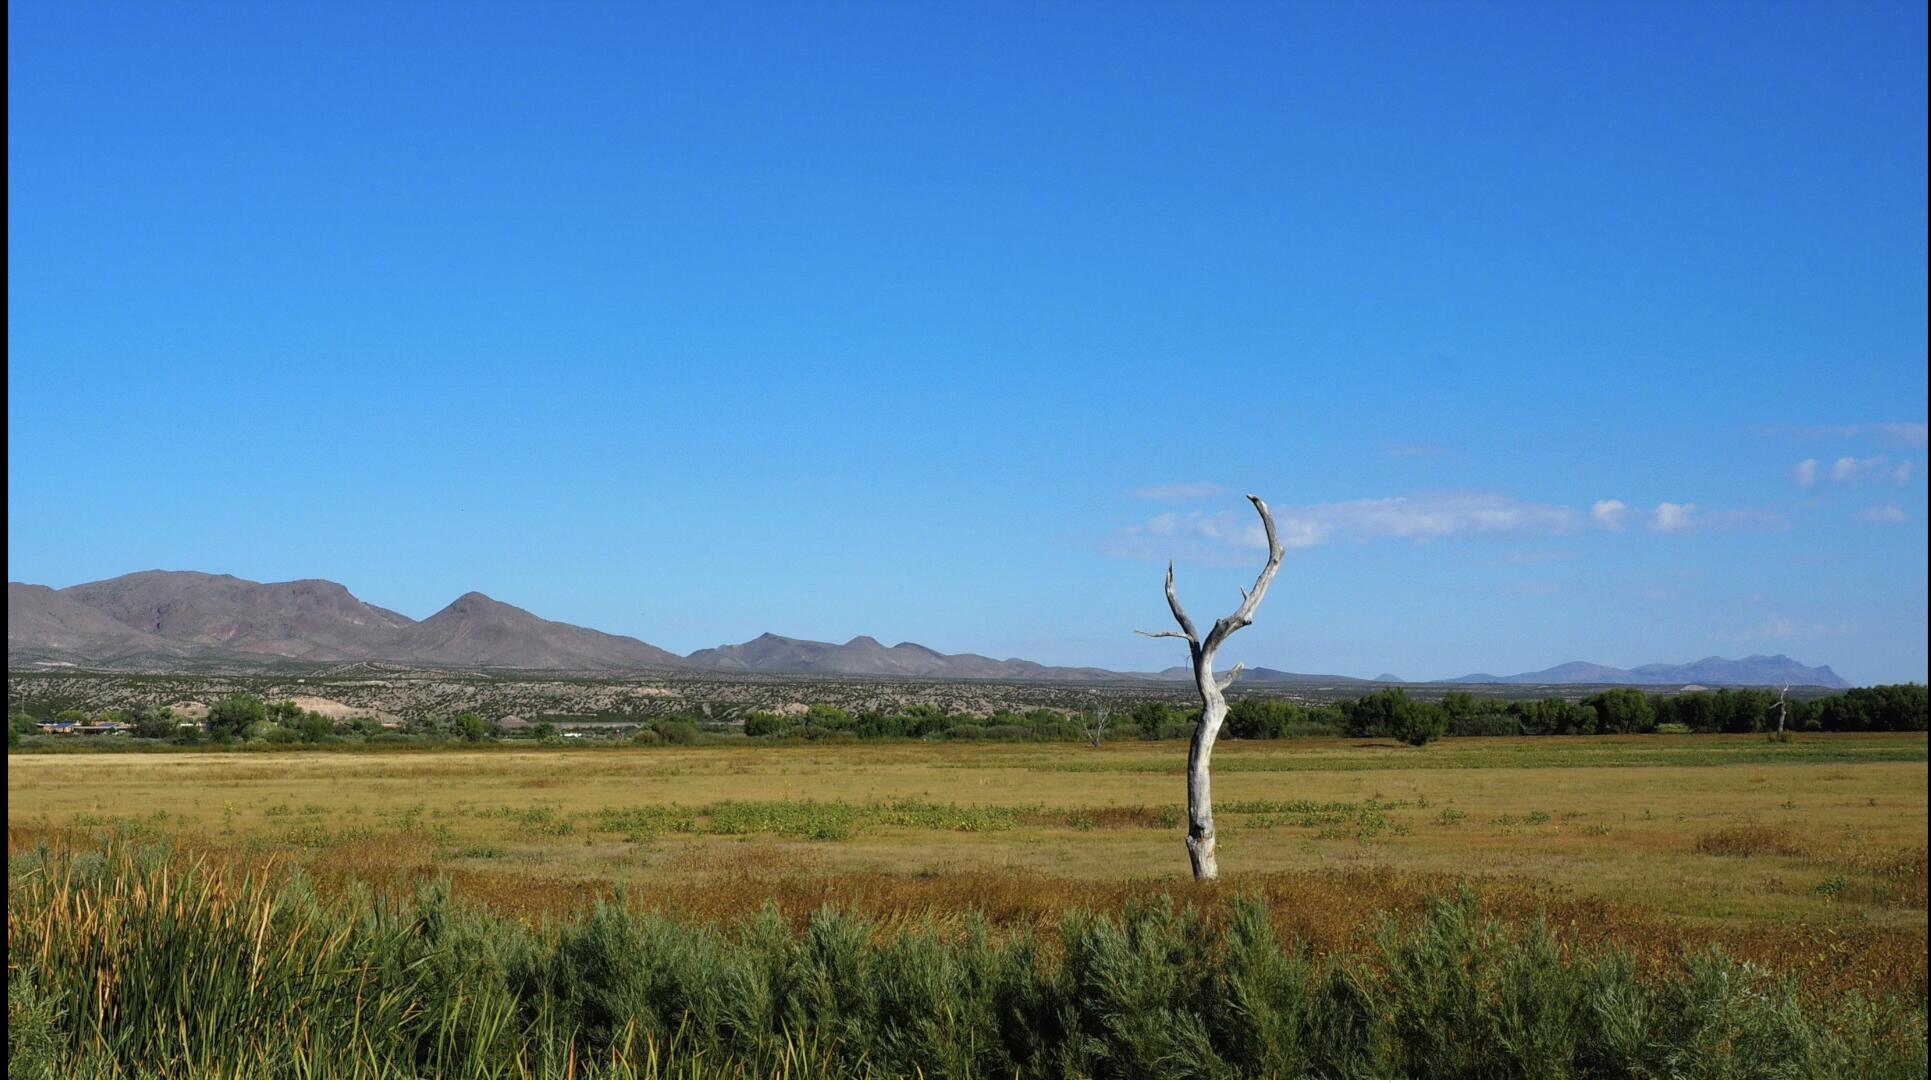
[[186, 970], [677, 730], [1177, 729], [36, 1041], [236, 717]]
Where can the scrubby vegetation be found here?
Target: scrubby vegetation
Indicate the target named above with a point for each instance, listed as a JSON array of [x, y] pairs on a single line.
[[1393, 713], [126, 962], [417, 709]]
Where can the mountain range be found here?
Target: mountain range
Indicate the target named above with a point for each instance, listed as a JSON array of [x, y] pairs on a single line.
[[1757, 669], [148, 618], [157, 620]]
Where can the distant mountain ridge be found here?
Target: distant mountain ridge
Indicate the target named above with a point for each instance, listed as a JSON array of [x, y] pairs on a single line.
[[150, 619], [153, 621], [1262, 675], [1757, 669], [865, 656]]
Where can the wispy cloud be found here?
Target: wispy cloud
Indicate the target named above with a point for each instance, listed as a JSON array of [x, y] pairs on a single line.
[[1892, 433], [1884, 514], [1424, 518], [1669, 518], [1417, 518], [1780, 627], [1875, 468], [1229, 536], [1851, 470], [1185, 490]]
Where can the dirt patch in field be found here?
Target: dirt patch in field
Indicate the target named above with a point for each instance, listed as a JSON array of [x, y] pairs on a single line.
[[337, 711]]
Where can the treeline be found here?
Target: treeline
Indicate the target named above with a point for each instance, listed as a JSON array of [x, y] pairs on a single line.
[[1390, 713], [192, 970], [1393, 713], [924, 721]]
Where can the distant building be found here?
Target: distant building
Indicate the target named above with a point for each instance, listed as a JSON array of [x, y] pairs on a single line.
[[94, 728]]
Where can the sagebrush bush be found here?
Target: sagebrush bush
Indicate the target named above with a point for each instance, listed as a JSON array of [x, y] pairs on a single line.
[[134, 963]]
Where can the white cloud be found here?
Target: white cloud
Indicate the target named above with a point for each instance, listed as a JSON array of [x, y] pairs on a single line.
[[1902, 434], [1190, 490], [1609, 514], [1417, 518], [1669, 517], [1850, 469], [1855, 471], [1231, 537], [1885, 514], [1804, 473], [1893, 433], [1425, 517]]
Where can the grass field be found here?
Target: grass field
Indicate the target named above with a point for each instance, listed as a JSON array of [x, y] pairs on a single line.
[[1697, 828], [1806, 859], [1826, 830]]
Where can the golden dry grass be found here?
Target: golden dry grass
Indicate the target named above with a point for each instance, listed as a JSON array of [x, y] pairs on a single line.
[[1812, 861]]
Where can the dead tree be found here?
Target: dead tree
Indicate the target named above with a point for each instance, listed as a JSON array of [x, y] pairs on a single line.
[[1782, 707], [1093, 724], [1213, 704]]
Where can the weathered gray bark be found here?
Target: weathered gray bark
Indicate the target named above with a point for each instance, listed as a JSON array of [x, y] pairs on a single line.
[[1782, 707], [1213, 704]]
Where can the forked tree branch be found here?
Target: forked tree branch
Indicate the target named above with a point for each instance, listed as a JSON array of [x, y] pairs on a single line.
[[1179, 614], [1200, 805], [1249, 600]]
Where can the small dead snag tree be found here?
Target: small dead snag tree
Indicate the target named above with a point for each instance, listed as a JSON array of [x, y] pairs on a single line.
[[1213, 704], [1093, 724]]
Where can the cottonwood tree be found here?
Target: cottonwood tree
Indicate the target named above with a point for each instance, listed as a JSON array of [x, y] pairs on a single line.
[[1213, 703]]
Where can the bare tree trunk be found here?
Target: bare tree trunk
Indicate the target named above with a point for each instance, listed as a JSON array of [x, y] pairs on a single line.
[[1094, 724], [1213, 703], [1781, 707]]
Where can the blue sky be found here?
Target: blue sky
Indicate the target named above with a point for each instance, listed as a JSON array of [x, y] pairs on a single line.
[[951, 323]]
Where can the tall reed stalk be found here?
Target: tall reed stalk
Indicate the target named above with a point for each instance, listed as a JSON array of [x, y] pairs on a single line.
[[132, 962]]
